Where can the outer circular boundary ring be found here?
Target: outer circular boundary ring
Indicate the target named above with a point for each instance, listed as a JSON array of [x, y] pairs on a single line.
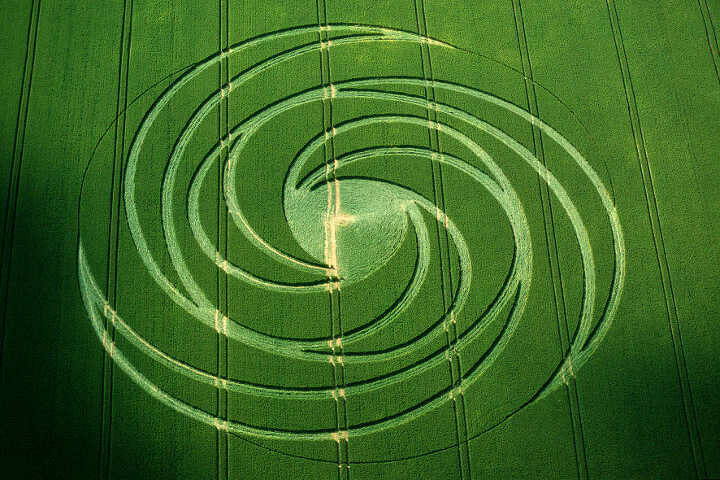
[[584, 343]]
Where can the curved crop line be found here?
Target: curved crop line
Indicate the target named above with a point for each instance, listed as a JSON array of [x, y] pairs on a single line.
[[244, 131], [585, 341], [410, 293], [133, 158], [462, 248], [464, 256], [172, 401], [305, 349], [89, 292], [578, 355], [412, 413], [203, 310], [503, 195], [95, 301], [206, 244]]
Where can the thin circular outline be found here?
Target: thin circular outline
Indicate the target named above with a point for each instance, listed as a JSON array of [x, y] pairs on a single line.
[[609, 307]]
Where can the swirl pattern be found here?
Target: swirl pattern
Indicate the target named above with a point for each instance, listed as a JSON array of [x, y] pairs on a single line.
[[351, 227]]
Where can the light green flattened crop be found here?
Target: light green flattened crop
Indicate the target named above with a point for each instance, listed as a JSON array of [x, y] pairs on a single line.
[[352, 227]]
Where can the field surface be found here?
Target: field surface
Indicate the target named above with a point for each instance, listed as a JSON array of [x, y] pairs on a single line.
[[390, 239]]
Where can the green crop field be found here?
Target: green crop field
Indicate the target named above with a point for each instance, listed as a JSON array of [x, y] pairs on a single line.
[[389, 239]]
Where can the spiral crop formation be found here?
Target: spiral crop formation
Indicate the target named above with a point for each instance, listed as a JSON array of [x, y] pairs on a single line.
[[351, 227]]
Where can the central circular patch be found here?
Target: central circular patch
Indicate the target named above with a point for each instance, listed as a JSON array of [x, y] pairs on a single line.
[[355, 227]]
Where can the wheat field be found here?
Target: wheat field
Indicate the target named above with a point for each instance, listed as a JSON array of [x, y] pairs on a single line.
[[417, 239]]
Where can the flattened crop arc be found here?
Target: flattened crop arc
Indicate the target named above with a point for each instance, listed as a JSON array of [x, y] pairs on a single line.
[[515, 289]]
